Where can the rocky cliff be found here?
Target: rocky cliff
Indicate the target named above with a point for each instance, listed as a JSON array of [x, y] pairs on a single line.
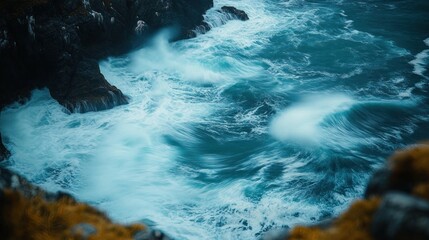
[[395, 205], [56, 44], [4, 153], [28, 212]]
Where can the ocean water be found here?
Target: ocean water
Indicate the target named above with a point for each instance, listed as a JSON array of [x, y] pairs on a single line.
[[252, 127]]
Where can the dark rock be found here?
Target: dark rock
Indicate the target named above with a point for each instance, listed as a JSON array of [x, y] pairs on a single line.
[[83, 230], [10, 180], [277, 235], [26, 210], [202, 28], [87, 89], [151, 235], [4, 153], [184, 15], [228, 12], [401, 216], [378, 183], [235, 13], [57, 43]]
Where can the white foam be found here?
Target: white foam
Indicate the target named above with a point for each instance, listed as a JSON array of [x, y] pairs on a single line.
[[301, 121], [124, 162], [421, 61], [426, 41], [161, 57], [407, 93]]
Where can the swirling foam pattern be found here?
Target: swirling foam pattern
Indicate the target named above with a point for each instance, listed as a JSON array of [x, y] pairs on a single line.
[[253, 126]]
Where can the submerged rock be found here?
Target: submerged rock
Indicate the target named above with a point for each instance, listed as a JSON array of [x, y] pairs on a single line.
[[235, 13], [228, 13], [54, 44]]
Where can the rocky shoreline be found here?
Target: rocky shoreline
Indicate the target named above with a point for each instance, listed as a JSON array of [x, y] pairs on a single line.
[[56, 44], [29, 212], [395, 205], [4, 153]]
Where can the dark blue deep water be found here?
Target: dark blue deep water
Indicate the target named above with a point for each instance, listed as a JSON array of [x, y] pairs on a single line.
[[253, 126]]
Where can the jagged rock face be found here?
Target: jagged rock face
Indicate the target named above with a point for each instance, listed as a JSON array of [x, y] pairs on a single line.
[[184, 15], [28, 212], [235, 13], [229, 12], [401, 216], [4, 153], [378, 183], [396, 204], [87, 90], [50, 43]]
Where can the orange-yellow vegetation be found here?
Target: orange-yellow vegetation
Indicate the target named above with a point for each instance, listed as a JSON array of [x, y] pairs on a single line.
[[38, 219], [354, 224], [409, 171]]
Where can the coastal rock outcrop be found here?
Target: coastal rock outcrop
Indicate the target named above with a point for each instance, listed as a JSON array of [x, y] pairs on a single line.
[[235, 13], [401, 216], [396, 204], [28, 212], [224, 14], [55, 44], [400, 212], [4, 153]]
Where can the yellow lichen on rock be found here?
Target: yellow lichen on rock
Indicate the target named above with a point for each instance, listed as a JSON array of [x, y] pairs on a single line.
[[422, 190], [408, 173], [410, 170], [37, 218], [308, 233], [354, 224]]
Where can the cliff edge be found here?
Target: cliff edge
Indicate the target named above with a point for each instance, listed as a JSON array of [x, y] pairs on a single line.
[[395, 205], [56, 44]]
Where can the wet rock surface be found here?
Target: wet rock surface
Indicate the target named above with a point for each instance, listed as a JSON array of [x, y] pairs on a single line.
[[235, 13], [87, 89], [151, 235], [228, 13], [54, 44], [401, 216], [378, 183], [396, 204], [4, 153], [29, 212]]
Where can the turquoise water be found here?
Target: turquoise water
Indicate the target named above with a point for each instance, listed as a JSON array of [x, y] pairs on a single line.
[[254, 126]]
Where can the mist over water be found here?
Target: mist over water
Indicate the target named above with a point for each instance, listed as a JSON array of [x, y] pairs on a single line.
[[253, 126]]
